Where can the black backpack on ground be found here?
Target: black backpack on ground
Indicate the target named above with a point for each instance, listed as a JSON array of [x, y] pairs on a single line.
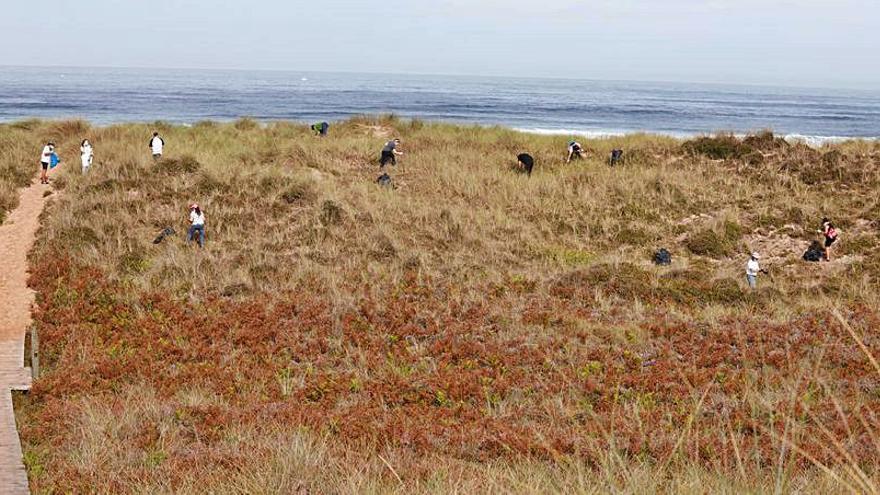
[[663, 257], [166, 232], [815, 252], [384, 180], [616, 157]]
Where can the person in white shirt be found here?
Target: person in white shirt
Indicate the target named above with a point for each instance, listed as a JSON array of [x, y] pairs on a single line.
[[86, 154], [157, 145], [197, 224], [753, 268], [575, 151], [45, 160]]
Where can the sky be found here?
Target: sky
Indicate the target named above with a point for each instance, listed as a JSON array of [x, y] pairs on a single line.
[[822, 43]]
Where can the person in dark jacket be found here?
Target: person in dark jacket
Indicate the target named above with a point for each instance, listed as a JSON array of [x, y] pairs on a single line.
[[390, 153], [525, 162]]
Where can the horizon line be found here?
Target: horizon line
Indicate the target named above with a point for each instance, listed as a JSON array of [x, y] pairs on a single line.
[[865, 89]]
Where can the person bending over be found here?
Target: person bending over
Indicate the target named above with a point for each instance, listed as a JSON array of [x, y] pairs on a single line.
[[390, 153], [321, 129], [525, 162], [197, 224], [575, 151]]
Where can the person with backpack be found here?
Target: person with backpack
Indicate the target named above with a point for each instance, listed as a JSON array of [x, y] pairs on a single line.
[[525, 162], [830, 234], [390, 153], [45, 161], [157, 145], [753, 268], [86, 155], [575, 151], [197, 224]]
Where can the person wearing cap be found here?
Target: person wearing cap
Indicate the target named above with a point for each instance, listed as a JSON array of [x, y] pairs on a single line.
[[45, 160], [390, 153], [575, 151], [197, 224], [753, 268]]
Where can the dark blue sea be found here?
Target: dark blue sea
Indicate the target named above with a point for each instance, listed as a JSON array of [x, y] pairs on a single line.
[[592, 108]]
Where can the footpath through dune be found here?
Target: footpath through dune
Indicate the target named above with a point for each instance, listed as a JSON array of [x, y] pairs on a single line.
[[17, 236]]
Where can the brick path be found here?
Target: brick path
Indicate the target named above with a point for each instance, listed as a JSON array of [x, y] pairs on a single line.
[[16, 239]]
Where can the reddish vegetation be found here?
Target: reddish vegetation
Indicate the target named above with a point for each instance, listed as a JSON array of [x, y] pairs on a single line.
[[421, 371]]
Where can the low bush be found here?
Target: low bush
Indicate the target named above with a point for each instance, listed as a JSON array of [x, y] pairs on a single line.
[[715, 242], [719, 147], [177, 166]]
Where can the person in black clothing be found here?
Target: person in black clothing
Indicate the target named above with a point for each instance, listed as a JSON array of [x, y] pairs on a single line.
[[390, 153], [525, 162]]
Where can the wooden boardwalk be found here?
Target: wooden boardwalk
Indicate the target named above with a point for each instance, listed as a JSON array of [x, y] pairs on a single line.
[[16, 239]]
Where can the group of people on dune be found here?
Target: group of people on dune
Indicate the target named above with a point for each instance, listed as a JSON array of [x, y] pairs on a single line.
[[388, 155], [49, 159]]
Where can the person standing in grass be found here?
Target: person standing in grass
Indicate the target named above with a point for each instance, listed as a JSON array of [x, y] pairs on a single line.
[[830, 234], [753, 268], [86, 154], [390, 153], [45, 160], [197, 224], [157, 145], [525, 162], [575, 151]]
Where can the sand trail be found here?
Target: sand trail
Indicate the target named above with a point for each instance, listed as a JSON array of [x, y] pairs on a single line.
[[17, 236]]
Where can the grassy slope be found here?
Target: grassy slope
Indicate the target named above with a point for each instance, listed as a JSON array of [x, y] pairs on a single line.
[[475, 328]]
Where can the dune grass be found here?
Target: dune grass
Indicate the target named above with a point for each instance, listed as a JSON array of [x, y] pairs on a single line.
[[472, 330]]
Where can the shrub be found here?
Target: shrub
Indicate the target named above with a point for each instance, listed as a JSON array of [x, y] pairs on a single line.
[[707, 242], [299, 192], [207, 185], [246, 124], [857, 245], [766, 141], [235, 290], [176, 166], [132, 263], [710, 242], [720, 147], [78, 237], [331, 213], [624, 280], [633, 236]]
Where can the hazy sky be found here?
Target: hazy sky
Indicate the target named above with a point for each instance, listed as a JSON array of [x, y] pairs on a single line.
[[787, 42]]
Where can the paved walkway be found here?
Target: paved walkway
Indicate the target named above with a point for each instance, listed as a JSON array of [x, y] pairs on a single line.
[[16, 239]]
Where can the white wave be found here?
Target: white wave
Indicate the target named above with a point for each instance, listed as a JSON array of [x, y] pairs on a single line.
[[812, 141], [819, 141]]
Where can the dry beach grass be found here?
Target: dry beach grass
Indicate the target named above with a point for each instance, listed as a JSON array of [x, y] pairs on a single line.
[[473, 330]]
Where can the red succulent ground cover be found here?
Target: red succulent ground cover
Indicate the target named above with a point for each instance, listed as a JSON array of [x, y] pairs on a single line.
[[422, 370]]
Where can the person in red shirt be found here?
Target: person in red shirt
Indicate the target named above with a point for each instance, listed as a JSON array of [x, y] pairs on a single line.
[[830, 234]]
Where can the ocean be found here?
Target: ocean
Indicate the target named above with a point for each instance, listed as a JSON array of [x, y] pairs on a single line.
[[553, 106]]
